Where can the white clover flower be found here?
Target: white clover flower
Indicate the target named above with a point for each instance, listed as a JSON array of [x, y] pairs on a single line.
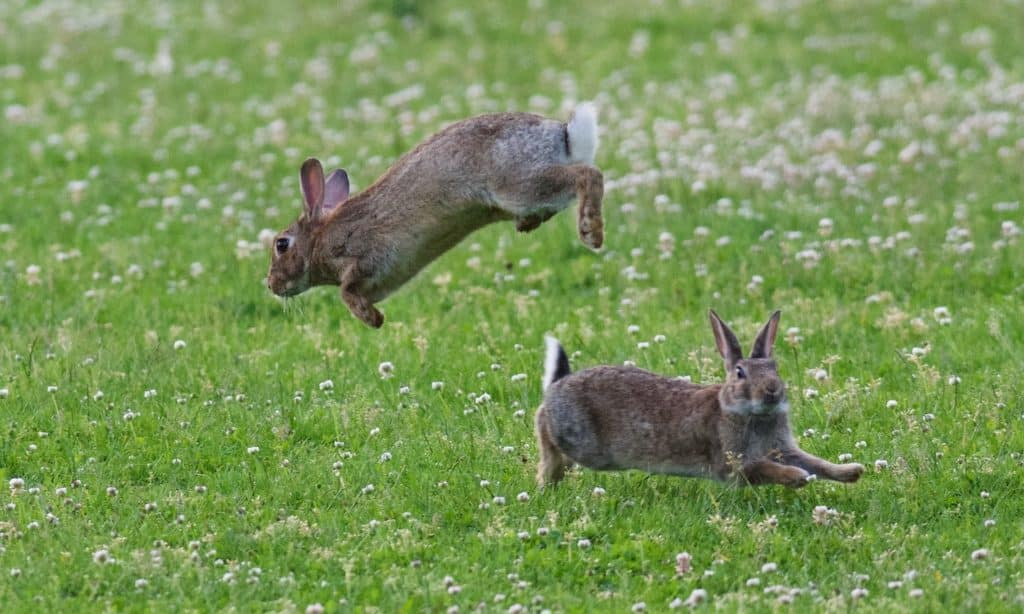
[[4, 393], [523, 535], [498, 500], [111, 491], [891, 404], [523, 497], [583, 544], [518, 377], [980, 554], [639, 606], [16, 483], [769, 568], [989, 523], [598, 491], [697, 597], [436, 385], [315, 608], [684, 563], [102, 557], [811, 393], [953, 380], [327, 385], [916, 593], [659, 338], [367, 489], [32, 272], [632, 329], [881, 464], [823, 515], [754, 582], [542, 531], [149, 394], [374, 431], [859, 593], [252, 449], [385, 457], [404, 390], [386, 369]]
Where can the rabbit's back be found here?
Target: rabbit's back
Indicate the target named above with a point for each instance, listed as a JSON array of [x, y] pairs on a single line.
[[613, 417], [482, 155]]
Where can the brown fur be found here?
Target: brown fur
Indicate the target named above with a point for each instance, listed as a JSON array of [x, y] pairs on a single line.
[[610, 418], [504, 166]]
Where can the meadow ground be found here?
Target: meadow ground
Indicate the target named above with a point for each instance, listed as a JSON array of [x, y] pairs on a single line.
[[173, 438]]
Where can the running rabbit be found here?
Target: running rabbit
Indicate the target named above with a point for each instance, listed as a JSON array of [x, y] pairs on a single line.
[[612, 417], [503, 166]]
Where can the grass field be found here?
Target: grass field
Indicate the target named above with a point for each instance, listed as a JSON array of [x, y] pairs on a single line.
[[176, 439]]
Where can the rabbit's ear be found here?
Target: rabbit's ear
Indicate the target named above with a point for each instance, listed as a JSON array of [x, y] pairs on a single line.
[[312, 178], [728, 345], [766, 338], [336, 191]]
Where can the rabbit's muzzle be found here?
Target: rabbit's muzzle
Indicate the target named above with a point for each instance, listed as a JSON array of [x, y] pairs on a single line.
[[287, 288]]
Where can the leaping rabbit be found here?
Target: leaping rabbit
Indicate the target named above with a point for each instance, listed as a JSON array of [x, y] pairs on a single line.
[[503, 166]]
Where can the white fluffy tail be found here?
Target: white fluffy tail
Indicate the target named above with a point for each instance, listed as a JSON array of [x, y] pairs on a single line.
[[556, 363], [582, 131]]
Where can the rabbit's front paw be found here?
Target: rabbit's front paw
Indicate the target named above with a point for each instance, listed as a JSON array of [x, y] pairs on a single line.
[[799, 478], [849, 472]]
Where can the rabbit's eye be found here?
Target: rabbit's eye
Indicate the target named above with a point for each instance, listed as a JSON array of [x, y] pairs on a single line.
[[740, 372], [282, 245]]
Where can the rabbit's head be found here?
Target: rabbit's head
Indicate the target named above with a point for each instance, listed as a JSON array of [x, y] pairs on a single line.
[[293, 247], [752, 385]]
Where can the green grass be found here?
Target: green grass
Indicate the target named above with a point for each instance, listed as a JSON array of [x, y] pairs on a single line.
[[751, 121]]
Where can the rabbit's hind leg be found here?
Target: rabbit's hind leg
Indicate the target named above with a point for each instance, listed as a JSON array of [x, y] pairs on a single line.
[[535, 200], [552, 464], [590, 189]]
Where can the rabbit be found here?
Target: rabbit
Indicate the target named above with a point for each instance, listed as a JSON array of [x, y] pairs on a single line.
[[612, 417], [501, 166]]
